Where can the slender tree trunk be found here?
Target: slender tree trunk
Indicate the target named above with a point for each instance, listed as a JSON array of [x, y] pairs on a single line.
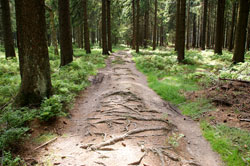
[[33, 53], [155, 26], [146, 23], [65, 32], [8, 36], [248, 37], [231, 41], [219, 27], [86, 27], [208, 26], [181, 45], [109, 25], [178, 6], [194, 31], [240, 36], [53, 32], [161, 34], [188, 24], [134, 25], [104, 28], [138, 26], [204, 25]]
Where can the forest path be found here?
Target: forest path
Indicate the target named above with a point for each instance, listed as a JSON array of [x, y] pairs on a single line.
[[120, 121]]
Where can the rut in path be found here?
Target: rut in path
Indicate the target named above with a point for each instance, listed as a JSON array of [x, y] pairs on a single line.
[[119, 121]]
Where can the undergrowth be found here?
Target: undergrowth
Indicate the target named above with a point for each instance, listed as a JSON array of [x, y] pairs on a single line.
[[174, 81], [67, 82]]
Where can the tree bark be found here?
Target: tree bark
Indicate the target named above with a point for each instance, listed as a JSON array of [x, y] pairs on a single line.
[[248, 38], [134, 25], [188, 24], [65, 32], [204, 26], [8, 36], [146, 23], [231, 41], [194, 31], [104, 28], [181, 40], [219, 27], [33, 53], [178, 3], [155, 26], [109, 25], [86, 27], [53, 30], [208, 25], [137, 26], [240, 36]]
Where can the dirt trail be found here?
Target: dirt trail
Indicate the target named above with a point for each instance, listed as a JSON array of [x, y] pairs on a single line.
[[120, 121]]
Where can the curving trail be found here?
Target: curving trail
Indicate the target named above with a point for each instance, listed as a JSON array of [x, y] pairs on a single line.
[[120, 121]]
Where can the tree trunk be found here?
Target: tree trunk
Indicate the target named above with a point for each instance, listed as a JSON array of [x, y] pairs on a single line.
[[178, 3], [155, 26], [53, 32], [109, 25], [146, 23], [231, 41], [204, 25], [134, 25], [6, 23], [65, 32], [86, 27], [161, 34], [208, 26], [181, 40], [219, 27], [33, 53], [194, 31], [248, 38], [104, 28], [188, 24], [137, 26], [240, 36]]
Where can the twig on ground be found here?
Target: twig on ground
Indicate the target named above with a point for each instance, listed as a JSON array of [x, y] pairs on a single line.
[[245, 120], [46, 143]]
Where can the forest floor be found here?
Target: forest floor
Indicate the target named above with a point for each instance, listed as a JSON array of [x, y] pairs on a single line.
[[120, 121]]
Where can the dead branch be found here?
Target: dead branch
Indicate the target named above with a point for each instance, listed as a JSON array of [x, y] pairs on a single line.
[[46, 143], [100, 163], [122, 137], [235, 80], [245, 120]]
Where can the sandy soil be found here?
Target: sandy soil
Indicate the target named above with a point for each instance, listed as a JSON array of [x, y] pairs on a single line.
[[120, 121]]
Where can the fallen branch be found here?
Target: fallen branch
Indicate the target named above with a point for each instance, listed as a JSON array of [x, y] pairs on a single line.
[[46, 143], [245, 120], [122, 137], [235, 80]]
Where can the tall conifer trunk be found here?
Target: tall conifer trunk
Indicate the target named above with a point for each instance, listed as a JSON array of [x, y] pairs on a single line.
[[65, 32], [231, 41], [155, 26], [8, 36], [240, 36], [109, 25], [204, 25], [104, 28], [182, 28], [86, 27], [33, 52], [137, 26]]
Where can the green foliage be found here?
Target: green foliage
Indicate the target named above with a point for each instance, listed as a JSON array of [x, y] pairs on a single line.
[[67, 82], [174, 139], [231, 143], [9, 160], [51, 108]]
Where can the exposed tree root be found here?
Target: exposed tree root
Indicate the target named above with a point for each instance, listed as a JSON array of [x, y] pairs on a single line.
[[122, 137], [139, 161], [170, 156], [160, 154], [129, 108]]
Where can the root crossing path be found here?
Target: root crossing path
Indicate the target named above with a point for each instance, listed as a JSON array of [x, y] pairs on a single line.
[[120, 121]]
